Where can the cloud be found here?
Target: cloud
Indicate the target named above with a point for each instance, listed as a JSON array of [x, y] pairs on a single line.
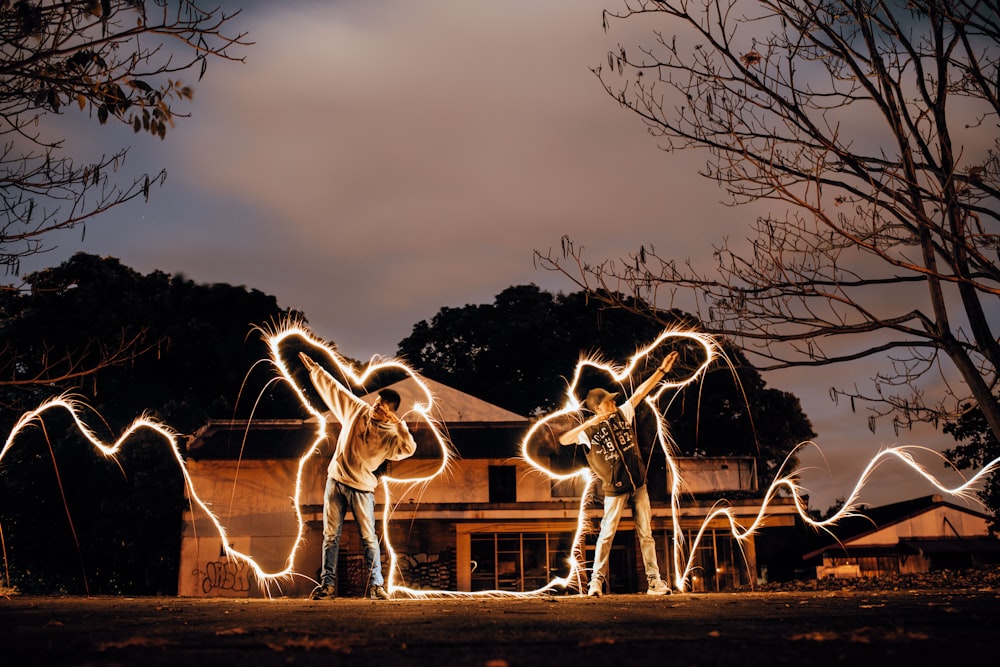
[[371, 163]]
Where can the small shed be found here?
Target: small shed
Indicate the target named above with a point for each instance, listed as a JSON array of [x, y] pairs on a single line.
[[918, 535]]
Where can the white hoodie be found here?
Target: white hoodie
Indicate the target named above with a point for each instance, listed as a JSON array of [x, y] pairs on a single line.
[[364, 444]]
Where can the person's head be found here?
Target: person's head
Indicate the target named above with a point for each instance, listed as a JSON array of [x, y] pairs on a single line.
[[391, 398], [600, 401], [387, 403]]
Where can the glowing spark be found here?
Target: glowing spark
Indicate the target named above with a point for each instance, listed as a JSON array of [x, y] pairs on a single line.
[[74, 407], [572, 408], [421, 411], [850, 506], [684, 566]]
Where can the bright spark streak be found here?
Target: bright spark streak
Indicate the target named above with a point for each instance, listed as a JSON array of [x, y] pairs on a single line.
[[621, 375], [74, 407], [421, 411], [684, 566]]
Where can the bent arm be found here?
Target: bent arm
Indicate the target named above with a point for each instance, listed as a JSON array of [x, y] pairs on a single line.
[[403, 445], [572, 436]]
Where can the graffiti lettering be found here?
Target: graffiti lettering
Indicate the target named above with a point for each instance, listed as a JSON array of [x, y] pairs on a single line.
[[227, 575]]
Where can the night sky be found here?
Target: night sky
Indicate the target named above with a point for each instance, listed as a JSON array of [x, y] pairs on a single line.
[[373, 162]]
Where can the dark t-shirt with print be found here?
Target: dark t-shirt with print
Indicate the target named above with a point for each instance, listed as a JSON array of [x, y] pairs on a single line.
[[613, 454]]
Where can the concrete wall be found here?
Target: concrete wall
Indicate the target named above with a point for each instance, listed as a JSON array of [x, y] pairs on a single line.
[[465, 481], [717, 475], [253, 501]]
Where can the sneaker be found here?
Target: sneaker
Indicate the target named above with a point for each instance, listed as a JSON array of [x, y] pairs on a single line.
[[658, 587], [324, 592], [594, 590], [379, 593]]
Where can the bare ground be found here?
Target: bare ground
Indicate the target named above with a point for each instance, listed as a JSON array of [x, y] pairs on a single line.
[[955, 621]]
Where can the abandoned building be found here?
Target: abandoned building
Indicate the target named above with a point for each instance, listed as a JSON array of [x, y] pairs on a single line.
[[489, 521], [913, 536]]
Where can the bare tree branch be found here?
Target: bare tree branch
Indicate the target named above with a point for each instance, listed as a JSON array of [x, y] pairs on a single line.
[[871, 126], [113, 59]]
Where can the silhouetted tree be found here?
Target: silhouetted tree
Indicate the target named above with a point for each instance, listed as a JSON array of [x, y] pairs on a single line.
[[520, 353], [978, 447], [116, 60]]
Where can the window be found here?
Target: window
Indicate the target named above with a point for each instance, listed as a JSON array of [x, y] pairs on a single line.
[[518, 561], [503, 484]]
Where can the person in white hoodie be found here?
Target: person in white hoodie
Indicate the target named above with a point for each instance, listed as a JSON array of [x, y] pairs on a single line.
[[370, 435]]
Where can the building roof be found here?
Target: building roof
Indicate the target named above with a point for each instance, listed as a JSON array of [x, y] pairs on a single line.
[[870, 520], [475, 427], [451, 406], [224, 439]]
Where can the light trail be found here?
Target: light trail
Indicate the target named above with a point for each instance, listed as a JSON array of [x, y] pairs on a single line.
[[274, 579], [620, 376], [684, 558], [421, 411], [74, 407]]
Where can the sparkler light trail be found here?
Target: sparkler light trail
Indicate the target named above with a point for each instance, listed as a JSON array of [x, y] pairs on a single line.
[[277, 340], [684, 566], [290, 337], [571, 409], [420, 411], [74, 408]]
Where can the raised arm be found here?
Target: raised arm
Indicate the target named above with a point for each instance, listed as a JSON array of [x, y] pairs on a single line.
[[571, 436], [337, 397], [647, 386]]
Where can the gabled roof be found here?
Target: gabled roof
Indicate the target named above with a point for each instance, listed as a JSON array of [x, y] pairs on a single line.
[[225, 439], [451, 406], [475, 427]]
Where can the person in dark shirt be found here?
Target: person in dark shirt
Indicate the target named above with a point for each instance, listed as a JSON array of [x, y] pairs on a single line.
[[613, 455]]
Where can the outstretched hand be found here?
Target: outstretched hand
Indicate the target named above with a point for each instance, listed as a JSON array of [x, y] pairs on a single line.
[[668, 362]]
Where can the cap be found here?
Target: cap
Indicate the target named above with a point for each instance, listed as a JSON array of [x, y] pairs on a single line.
[[596, 396]]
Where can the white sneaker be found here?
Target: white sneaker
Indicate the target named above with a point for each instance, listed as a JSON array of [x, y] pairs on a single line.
[[659, 587], [594, 592]]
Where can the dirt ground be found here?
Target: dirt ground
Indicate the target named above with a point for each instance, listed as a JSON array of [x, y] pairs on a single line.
[[820, 627]]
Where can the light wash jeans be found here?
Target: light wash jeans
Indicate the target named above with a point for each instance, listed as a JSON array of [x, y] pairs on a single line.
[[638, 500], [336, 502]]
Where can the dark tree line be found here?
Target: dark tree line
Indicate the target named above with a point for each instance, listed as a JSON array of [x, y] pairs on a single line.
[[977, 447], [520, 353], [72, 520]]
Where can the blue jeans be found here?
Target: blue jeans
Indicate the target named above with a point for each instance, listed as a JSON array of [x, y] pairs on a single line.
[[641, 514], [336, 502]]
